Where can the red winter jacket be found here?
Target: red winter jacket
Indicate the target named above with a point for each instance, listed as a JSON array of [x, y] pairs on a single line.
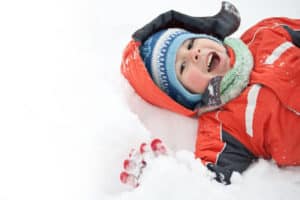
[[264, 121]]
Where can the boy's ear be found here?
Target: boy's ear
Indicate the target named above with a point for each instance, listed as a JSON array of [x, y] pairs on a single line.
[[223, 24]]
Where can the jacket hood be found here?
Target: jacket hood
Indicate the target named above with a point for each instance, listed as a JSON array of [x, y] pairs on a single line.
[[134, 70]]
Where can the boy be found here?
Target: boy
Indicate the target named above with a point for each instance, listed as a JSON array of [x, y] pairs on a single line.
[[251, 86]]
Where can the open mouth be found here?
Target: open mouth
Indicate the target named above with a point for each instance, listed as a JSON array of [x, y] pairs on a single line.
[[213, 61]]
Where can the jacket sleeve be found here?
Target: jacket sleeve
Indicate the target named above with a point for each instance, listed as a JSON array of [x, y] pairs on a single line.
[[286, 27], [222, 153], [234, 157], [295, 35]]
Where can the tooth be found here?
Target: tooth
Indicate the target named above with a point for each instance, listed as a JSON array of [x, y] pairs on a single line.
[[209, 60]]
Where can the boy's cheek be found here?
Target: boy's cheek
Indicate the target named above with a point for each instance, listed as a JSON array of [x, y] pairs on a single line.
[[196, 81]]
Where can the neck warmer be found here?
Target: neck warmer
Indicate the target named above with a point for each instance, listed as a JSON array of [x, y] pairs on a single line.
[[220, 89]]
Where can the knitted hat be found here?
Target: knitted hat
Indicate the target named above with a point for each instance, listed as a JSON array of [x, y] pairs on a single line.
[[159, 55]]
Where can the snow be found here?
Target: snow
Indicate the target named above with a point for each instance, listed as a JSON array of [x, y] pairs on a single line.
[[68, 118]]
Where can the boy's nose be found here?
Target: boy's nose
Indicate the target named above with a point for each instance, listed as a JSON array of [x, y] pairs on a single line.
[[195, 55]]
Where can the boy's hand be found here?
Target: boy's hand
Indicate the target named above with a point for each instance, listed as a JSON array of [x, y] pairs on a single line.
[[137, 160], [223, 174]]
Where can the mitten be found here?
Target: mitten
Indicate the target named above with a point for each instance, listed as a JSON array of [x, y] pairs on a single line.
[[137, 160], [223, 24]]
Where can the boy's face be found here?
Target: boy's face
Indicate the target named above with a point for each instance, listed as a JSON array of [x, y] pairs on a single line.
[[198, 60]]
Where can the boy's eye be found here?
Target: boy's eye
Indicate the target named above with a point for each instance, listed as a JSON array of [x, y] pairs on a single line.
[[182, 67], [190, 44]]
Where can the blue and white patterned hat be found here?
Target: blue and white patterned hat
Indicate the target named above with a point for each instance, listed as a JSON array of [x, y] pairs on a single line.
[[159, 55]]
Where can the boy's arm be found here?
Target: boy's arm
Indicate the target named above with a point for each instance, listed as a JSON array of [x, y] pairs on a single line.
[[286, 27], [234, 157], [295, 35], [220, 25], [222, 153]]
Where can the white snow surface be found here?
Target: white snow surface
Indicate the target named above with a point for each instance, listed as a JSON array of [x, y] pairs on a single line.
[[68, 118]]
